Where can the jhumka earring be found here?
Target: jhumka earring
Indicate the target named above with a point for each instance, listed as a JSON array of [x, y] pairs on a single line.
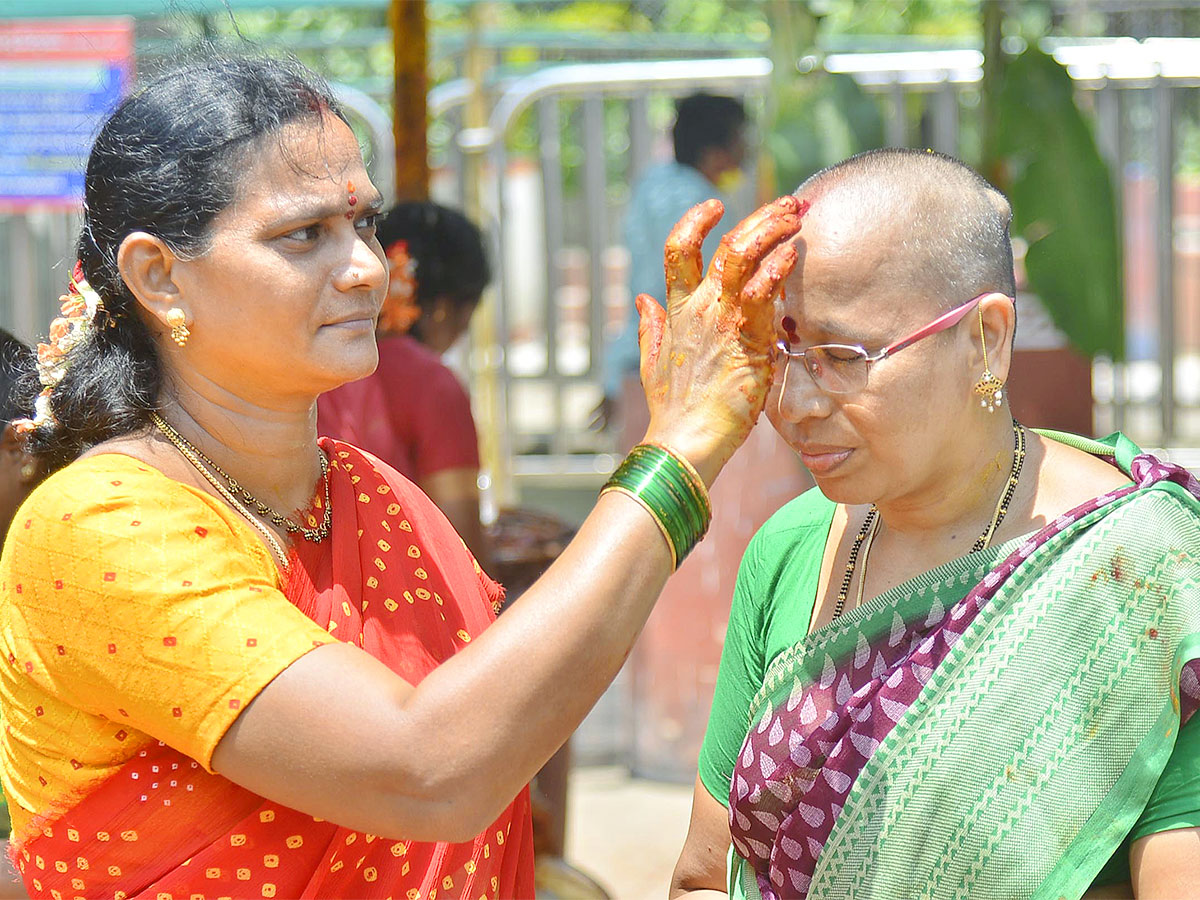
[[177, 319], [989, 388]]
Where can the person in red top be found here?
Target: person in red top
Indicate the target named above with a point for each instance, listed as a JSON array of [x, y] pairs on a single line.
[[438, 269]]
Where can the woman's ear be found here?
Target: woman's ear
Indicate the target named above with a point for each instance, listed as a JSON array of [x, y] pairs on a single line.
[[146, 264], [998, 316]]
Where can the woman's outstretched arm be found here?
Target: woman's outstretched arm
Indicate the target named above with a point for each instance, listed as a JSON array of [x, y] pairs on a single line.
[[338, 735]]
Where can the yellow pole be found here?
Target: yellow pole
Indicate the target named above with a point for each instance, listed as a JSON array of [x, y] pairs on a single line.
[[409, 122]]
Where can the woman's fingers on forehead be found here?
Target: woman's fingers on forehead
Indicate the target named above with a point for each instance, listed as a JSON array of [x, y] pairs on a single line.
[[742, 254], [764, 284], [782, 206], [757, 309]]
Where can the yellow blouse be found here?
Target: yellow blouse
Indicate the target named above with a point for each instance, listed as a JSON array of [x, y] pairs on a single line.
[[133, 608]]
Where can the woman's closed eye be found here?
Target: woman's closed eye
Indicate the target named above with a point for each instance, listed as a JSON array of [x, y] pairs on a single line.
[[836, 354]]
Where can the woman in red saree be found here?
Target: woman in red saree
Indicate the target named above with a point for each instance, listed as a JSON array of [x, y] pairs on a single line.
[[437, 272], [206, 697]]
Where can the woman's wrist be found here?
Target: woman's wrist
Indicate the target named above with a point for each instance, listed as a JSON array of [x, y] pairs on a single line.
[[669, 488], [702, 453]]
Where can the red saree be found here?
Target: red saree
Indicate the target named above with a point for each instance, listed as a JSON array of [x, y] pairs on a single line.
[[395, 580]]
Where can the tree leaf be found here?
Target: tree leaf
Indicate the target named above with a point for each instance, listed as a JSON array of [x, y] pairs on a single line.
[[1063, 204]]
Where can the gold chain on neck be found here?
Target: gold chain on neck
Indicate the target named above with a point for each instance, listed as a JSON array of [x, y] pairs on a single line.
[[230, 490]]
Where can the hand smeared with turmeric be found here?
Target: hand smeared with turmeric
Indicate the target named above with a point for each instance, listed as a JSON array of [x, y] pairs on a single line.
[[706, 359]]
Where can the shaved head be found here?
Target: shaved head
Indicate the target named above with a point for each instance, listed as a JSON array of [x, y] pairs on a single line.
[[945, 229]]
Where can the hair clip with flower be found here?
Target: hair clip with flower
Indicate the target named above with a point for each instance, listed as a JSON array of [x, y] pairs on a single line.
[[400, 310]]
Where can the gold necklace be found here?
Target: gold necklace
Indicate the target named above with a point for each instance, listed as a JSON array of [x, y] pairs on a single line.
[[205, 467], [871, 525]]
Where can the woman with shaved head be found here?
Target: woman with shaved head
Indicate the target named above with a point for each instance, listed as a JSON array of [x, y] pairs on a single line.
[[965, 664]]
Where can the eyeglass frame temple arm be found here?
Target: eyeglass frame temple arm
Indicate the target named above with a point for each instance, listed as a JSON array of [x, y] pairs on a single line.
[[941, 323]]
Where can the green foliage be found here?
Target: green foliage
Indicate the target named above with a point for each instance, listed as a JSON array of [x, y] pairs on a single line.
[[935, 18], [582, 15], [1062, 196], [823, 119], [1188, 125], [599, 17], [817, 118], [346, 45]]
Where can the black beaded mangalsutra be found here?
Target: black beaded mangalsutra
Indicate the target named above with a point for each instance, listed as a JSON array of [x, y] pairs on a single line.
[[871, 523]]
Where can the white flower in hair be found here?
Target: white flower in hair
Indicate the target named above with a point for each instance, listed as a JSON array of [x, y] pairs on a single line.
[[80, 305]]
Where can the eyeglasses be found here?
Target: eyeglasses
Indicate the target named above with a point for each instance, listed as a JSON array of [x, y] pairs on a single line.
[[843, 368]]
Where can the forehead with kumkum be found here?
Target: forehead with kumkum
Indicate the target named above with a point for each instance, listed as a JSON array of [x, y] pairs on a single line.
[[850, 265], [304, 167]]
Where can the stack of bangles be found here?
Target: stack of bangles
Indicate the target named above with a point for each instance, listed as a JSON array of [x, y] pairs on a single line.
[[667, 486]]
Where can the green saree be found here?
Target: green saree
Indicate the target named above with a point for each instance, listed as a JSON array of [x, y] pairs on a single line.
[[991, 728]]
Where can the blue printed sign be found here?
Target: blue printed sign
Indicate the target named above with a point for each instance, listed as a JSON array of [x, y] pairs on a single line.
[[58, 80]]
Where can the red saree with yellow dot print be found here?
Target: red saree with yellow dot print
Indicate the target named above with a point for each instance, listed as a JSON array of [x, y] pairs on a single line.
[[393, 579]]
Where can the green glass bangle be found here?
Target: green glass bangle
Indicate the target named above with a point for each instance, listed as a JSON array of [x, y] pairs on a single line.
[[669, 488], [692, 477], [647, 461], [676, 503]]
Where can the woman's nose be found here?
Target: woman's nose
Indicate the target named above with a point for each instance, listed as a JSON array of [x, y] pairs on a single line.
[[364, 269], [799, 397]]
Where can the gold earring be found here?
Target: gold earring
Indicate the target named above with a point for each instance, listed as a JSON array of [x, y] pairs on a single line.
[[177, 319], [28, 470], [989, 388]]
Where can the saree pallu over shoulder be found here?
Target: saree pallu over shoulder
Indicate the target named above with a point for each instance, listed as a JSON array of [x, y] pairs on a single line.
[[990, 729], [394, 580]]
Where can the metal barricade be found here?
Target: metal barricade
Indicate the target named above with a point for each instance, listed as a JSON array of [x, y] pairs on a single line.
[[560, 259], [551, 323], [1134, 90]]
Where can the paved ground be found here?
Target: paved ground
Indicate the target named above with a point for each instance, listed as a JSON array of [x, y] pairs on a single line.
[[625, 832]]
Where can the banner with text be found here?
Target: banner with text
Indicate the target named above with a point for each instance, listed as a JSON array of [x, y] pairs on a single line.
[[58, 80]]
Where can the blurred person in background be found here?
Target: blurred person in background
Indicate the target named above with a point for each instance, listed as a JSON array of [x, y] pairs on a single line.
[[710, 147], [437, 269], [19, 472]]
